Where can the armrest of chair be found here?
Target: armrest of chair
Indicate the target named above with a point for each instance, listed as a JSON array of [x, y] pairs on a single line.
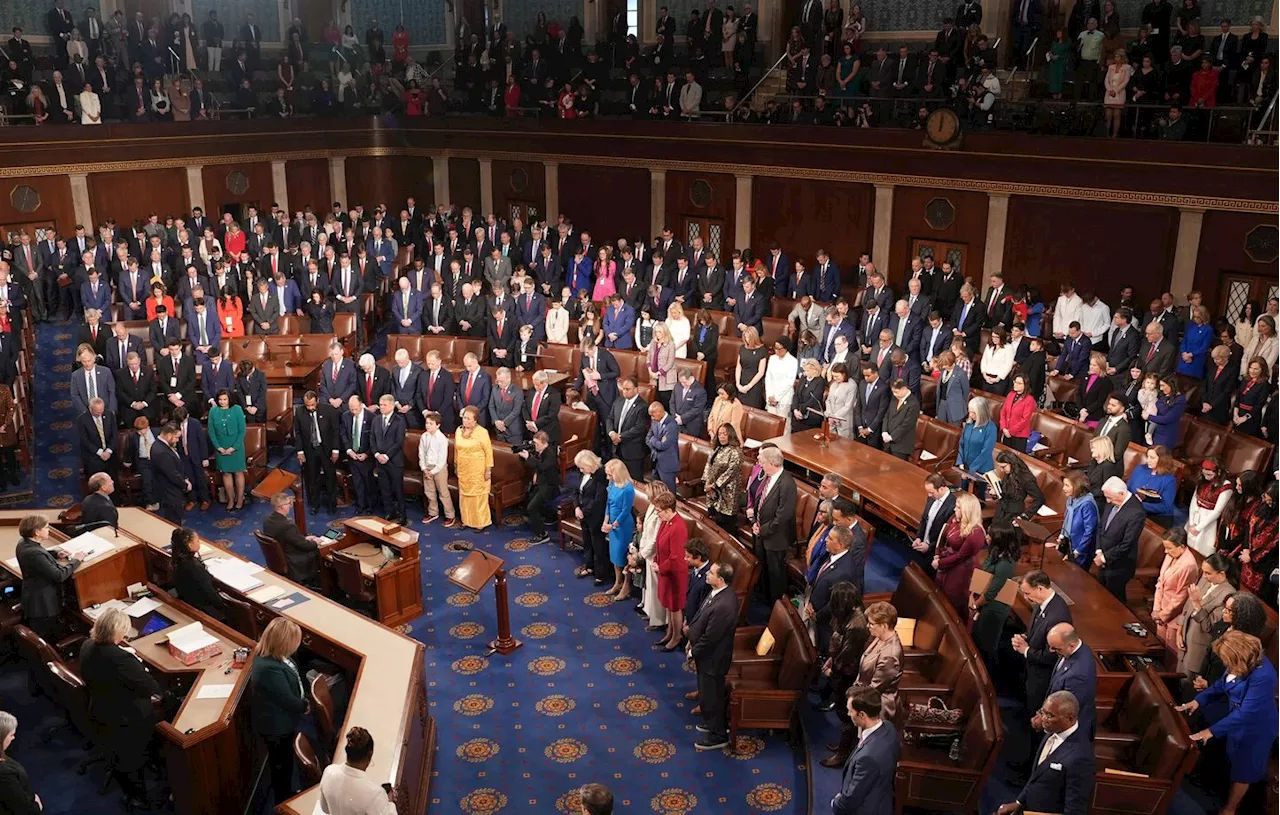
[[762, 669], [916, 660], [689, 488], [747, 636], [69, 645], [1115, 740]]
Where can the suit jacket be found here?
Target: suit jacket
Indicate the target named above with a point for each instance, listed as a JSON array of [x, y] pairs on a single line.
[[607, 367], [1119, 433], [690, 404], [633, 430], [1160, 360], [120, 691], [845, 569], [408, 393], [181, 381], [370, 392], [911, 334], [971, 325], [341, 388], [711, 633], [101, 299], [871, 326], [42, 579], [104, 383], [1078, 673], [776, 515], [412, 313], [866, 785], [159, 336], [438, 396], [1119, 529], [111, 355], [749, 311], [1074, 359], [1122, 351], [472, 313], [900, 424], [1040, 660], [328, 421], [388, 439], [91, 443], [710, 281], [85, 335], [98, 509], [697, 591], [303, 555], [547, 418], [934, 533], [170, 475], [212, 328], [870, 411], [1063, 782], [663, 441], [477, 395], [619, 321]]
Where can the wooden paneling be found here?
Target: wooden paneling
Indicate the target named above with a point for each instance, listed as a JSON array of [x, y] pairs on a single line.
[[464, 184], [130, 195], [719, 206], [55, 206], [805, 216], [1222, 249], [609, 202], [508, 175], [216, 193], [969, 227], [372, 180], [1097, 247], [307, 181]]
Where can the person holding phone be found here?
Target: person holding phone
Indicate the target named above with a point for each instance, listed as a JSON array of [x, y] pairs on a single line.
[[346, 789]]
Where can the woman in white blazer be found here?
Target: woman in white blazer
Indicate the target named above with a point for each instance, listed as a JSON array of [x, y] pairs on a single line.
[[90, 107]]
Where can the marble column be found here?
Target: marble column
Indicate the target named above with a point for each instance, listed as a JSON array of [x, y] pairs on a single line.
[[195, 187], [486, 187], [742, 211], [882, 233], [657, 201], [280, 185], [338, 180], [551, 175], [440, 178], [1187, 249], [997, 224], [80, 201]]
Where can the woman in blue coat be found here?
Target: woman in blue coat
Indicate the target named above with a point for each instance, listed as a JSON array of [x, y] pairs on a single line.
[[1196, 340], [977, 439], [1166, 413], [1080, 522], [619, 522], [1155, 484], [1250, 726]]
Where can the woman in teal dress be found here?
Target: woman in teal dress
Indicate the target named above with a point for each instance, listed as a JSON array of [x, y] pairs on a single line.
[[1059, 56], [1003, 552], [847, 72], [619, 523], [226, 434]]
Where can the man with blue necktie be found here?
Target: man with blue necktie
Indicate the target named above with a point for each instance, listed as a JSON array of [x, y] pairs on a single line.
[[1073, 362], [217, 374], [968, 319], [828, 278], [203, 332]]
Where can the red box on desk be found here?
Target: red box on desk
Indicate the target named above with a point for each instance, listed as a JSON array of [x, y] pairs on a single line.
[[198, 655]]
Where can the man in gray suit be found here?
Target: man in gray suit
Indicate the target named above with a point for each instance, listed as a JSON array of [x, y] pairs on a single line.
[[711, 644], [91, 382], [497, 270], [866, 788], [28, 264]]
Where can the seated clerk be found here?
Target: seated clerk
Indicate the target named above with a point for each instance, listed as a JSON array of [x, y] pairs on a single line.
[[301, 551], [191, 578], [97, 510]]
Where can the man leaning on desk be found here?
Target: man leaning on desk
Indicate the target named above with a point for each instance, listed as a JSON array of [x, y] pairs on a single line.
[[43, 574], [302, 551]]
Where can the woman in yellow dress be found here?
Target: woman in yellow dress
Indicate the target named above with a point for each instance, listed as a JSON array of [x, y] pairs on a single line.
[[473, 456]]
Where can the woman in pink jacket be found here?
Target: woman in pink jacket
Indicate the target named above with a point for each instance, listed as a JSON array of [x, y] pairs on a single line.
[[1178, 573]]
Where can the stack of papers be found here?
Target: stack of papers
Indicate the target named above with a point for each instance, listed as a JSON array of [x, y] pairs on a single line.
[[85, 546], [143, 606], [266, 593], [1046, 511], [751, 444], [236, 573], [94, 612]]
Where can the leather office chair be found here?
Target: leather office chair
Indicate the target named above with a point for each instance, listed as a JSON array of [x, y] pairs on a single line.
[[344, 327], [939, 439], [774, 329], [694, 453], [289, 324], [323, 710], [577, 433], [255, 455], [308, 762], [37, 654], [273, 553], [765, 692], [73, 698], [760, 425], [279, 414], [351, 582], [240, 616], [1242, 452]]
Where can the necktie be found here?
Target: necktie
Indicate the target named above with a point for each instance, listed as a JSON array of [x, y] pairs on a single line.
[[431, 384], [471, 381], [825, 565], [355, 434], [902, 326], [1049, 744], [1151, 353], [964, 314], [146, 445], [537, 400], [204, 335], [93, 384], [368, 388], [102, 437]]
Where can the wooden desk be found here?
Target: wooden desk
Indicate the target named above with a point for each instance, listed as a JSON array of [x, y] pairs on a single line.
[[95, 580], [297, 375], [388, 697], [397, 583]]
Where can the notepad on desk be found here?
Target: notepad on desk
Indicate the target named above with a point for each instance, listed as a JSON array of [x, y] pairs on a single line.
[[215, 691], [85, 546], [144, 606], [265, 594], [925, 455], [238, 574]]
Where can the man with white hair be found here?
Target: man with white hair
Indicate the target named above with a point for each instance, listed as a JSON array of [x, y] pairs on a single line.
[[372, 380], [774, 522], [541, 410], [1118, 532], [474, 387], [1157, 355], [406, 387]]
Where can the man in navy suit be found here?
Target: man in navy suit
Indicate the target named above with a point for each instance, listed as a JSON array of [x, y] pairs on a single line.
[[838, 568], [203, 331], [193, 449], [1048, 610], [779, 267], [689, 403], [1073, 362], [531, 310], [802, 282], [866, 786], [357, 442], [473, 389], [133, 293], [1119, 529], [388, 456], [117, 354], [938, 509], [619, 319], [657, 300], [663, 442], [337, 378], [873, 322], [1062, 776], [935, 339], [217, 374], [1076, 672], [711, 643], [967, 318], [907, 329], [871, 405], [541, 409], [406, 389], [698, 558], [406, 309], [836, 325], [828, 278], [95, 293], [748, 310], [438, 392], [598, 371]]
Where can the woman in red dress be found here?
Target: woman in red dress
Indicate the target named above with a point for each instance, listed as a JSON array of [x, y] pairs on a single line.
[[400, 47], [962, 539], [673, 572]]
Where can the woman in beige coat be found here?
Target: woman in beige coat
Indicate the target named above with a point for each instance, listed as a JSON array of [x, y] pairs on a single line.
[[662, 364], [881, 666], [1203, 610], [180, 98]]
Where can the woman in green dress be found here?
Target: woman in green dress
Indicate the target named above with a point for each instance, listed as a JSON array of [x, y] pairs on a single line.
[[226, 433], [847, 72], [1002, 553], [1059, 55]]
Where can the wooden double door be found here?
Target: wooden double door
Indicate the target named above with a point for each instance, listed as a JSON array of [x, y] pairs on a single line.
[[957, 254], [1238, 288]]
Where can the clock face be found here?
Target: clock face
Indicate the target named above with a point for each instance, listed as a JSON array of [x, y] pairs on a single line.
[[942, 126]]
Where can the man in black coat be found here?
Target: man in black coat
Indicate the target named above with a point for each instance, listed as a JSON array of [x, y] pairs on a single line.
[[357, 442], [838, 568], [96, 431], [1062, 774], [97, 509], [544, 484], [301, 551], [598, 371], [774, 522], [711, 647], [388, 455], [541, 409], [170, 475], [43, 574], [626, 426], [372, 380], [871, 403], [1048, 609], [1119, 530], [938, 509], [1122, 343], [319, 441]]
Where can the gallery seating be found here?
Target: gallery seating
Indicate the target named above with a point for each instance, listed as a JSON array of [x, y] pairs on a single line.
[[508, 484], [936, 444], [577, 433]]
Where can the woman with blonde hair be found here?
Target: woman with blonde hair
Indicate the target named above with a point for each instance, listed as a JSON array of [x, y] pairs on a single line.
[[590, 511], [962, 538], [1102, 465], [680, 330], [662, 364], [277, 700], [642, 555], [120, 709], [619, 523], [749, 376], [473, 458], [1116, 82]]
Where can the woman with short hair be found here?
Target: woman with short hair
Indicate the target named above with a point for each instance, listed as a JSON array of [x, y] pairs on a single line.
[[673, 572], [881, 665], [16, 797], [277, 700], [977, 441]]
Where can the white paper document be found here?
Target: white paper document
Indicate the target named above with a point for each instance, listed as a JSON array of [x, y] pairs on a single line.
[[85, 546], [236, 573], [1046, 511], [191, 637], [215, 691], [266, 593], [143, 606], [925, 455]]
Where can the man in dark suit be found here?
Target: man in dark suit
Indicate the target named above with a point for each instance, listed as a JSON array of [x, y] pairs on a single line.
[[43, 574], [774, 522], [967, 317], [474, 387], [357, 444], [372, 380], [97, 509], [438, 392], [541, 409], [1122, 343], [689, 404], [866, 786], [1116, 425], [176, 379], [437, 312], [469, 313], [899, 428], [598, 373], [162, 330], [388, 455], [710, 643], [1075, 672], [663, 442], [1119, 529], [1073, 361], [406, 388], [406, 309], [1026, 16], [170, 475], [119, 346], [1062, 775], [938, 509], [698, 558], [626, 426], [874, 320], [193, 449], [337, 378], [319, 442], [502, 335], [836, 326], [301, 551], [838, 568], [1158, 354], [870, 405], [96, 431], [907, 328], [1048, 609]]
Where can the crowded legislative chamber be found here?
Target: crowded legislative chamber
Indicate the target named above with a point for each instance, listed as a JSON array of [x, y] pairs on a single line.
[[589, 407]]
